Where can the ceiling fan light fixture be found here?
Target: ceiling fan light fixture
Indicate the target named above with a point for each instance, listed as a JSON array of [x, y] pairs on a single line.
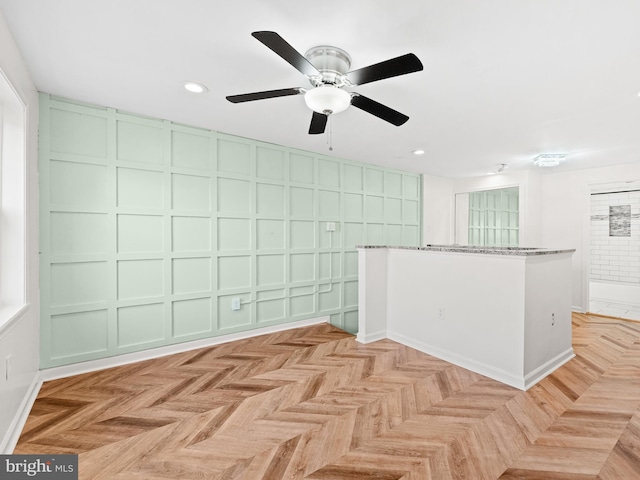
[[327, 69], [327, 99], [549, 159]]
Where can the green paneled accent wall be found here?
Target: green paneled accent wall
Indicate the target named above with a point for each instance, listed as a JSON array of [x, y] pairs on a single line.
[[150, 230]]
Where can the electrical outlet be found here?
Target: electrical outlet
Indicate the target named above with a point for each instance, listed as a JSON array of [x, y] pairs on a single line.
[[441, 313], [553, 319], [235, 304], [331, 226], [8, 367]]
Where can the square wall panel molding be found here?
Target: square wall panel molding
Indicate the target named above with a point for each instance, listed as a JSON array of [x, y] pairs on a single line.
[[154, 233]]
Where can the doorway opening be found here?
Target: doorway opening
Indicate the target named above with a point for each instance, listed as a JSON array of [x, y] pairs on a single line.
[[614, 250]]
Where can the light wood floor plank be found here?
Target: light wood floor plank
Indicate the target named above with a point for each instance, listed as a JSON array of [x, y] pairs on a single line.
[[312, 403]]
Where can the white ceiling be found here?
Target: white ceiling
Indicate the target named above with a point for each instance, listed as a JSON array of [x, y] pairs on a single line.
[[504, 80]]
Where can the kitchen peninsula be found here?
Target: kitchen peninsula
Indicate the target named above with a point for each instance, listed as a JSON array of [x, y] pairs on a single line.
[[503, 312]]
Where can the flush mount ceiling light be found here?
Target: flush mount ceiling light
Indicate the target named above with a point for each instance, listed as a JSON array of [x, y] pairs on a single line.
[[195, 87], [549, 159], [327, 99]]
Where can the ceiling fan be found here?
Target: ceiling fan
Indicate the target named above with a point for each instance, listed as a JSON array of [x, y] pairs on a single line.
[[327, 69]]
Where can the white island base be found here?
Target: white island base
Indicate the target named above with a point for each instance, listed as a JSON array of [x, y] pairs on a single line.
[[502, 313]]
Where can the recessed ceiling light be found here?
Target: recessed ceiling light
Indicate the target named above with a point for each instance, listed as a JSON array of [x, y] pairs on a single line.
[[195, 87], [418, 152], [549, 159]]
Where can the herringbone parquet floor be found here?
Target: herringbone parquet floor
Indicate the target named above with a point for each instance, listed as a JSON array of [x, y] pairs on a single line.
[[312, 403]]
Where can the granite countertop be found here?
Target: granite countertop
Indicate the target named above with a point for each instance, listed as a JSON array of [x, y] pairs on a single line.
[[514, 251]]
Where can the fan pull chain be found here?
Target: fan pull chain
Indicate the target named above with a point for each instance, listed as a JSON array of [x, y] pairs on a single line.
[[330, 134]]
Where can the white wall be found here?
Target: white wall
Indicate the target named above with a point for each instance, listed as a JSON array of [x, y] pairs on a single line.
[[504, 316], [19, 337], [461, 219], [372, 294], [437, 210], [530, 190], [566, 216], [472, 333], [554, 210], [532, 219], [439, 204]]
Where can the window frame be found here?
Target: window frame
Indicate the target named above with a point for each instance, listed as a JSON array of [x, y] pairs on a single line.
[[13, 202]]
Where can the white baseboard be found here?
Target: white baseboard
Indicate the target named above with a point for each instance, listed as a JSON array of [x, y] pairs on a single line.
[[547, 368], [371, 337], [614, 292], [125, 359], [17, 424], [464, 362]]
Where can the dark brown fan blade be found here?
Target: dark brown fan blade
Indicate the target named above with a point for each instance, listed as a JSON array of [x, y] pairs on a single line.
[[381, 111], [318, 123], [249, 97], [280, 46], [408, 63]]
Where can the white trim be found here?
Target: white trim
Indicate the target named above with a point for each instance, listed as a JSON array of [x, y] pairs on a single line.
[[617, 292], [589, 188], [371, 337], [464, 362], [12, 435], [586, 247], [522, 383], [548, 368], [12, 313], [13, 197], [125, 359]]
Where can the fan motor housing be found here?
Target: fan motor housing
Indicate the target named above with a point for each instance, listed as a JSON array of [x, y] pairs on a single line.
[[332, 62]]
